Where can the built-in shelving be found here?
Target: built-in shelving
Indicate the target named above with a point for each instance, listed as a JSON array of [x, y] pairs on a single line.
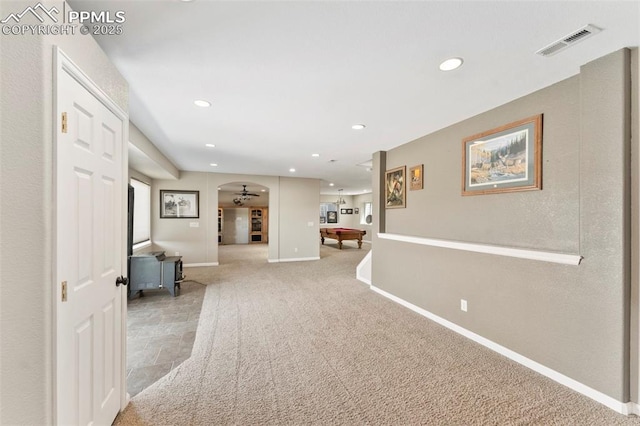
[[258, 225]]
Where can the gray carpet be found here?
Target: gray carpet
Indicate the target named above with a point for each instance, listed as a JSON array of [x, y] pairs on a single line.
[[305, 343]]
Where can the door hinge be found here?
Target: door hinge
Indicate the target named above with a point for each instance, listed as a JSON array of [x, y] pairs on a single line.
[[64, 122], [64, 291]]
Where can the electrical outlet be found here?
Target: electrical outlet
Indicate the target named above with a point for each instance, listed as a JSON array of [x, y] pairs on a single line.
[[463, 305], [295, 250], [177, 253]]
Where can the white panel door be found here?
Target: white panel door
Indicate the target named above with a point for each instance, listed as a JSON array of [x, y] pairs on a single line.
[[89, 221]]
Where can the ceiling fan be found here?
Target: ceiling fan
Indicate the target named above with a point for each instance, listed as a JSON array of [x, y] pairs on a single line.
[[243, 196], [246, 193]]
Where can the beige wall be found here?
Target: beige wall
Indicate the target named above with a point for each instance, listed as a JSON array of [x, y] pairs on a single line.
[[344, 220], [177, 235], [200, 245], [299, 228], [26, 239], [572, 319]]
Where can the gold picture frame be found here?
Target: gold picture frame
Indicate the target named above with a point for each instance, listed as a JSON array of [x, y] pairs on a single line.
[[395, 191], [416, 177], [505, 159]]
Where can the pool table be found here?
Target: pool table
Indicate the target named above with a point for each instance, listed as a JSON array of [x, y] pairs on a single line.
[[342, 234]]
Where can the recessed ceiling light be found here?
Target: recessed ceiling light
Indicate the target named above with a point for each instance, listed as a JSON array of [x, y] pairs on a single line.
[[218, 188], [213, 165], [451, 64], [202, 103], [358, 126], [331, 184], [315, 155], [263, 190], [292, 170], [210, 145]]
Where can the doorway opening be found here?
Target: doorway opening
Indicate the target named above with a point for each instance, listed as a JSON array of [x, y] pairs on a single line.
[[243, 217]]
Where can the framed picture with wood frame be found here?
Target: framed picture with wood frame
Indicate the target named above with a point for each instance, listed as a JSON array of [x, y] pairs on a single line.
[[415, 177], [505, 159], [394, 191]]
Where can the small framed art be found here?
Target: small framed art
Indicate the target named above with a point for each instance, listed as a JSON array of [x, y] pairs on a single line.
[[415, 177], [395, 194]]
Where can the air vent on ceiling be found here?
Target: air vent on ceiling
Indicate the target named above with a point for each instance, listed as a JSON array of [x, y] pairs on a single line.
[[569, 40]]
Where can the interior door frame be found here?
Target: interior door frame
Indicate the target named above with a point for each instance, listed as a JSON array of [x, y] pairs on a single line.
[[63, 64]]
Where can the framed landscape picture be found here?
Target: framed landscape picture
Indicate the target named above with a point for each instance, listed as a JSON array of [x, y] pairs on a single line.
[[504, 159], [179, 204], [395, 194]]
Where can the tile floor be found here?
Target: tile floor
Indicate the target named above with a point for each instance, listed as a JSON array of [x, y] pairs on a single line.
[[161, 330]]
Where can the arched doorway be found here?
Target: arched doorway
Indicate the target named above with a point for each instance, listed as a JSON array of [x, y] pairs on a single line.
[[243, 220]]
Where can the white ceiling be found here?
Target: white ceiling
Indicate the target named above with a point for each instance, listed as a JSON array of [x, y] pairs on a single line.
[[288, 79]]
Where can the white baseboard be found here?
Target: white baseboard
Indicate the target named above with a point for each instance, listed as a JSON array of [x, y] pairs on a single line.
[[364, 268], [363, 279], [195, 265], [297, 259], [632, 408], [621, 407]]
